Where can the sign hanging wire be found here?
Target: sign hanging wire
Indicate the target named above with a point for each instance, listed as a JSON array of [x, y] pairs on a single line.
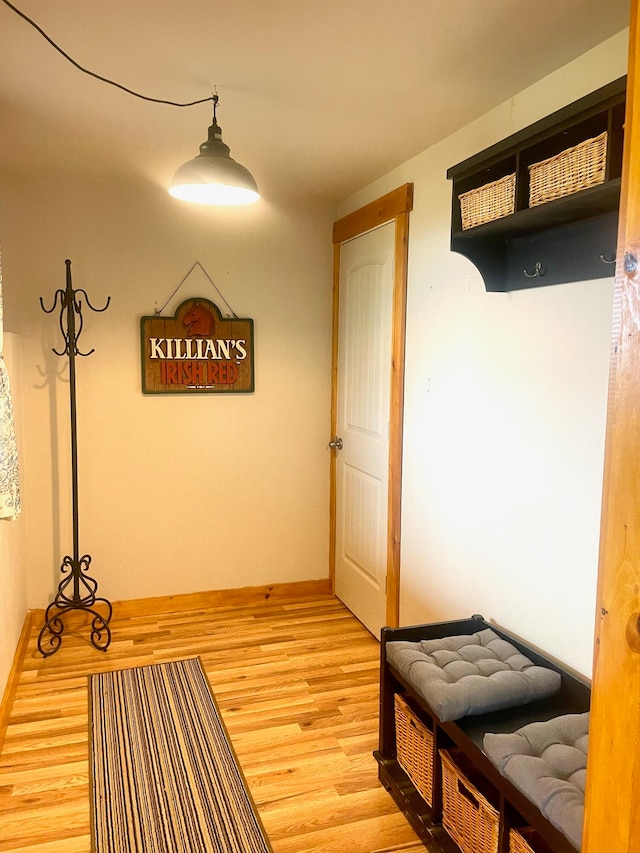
[[217, 290]]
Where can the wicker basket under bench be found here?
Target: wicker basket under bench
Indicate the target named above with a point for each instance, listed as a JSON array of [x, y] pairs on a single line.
[[407, 722]]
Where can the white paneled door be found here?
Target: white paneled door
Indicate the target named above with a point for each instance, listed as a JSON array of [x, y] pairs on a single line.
[[364, 382]]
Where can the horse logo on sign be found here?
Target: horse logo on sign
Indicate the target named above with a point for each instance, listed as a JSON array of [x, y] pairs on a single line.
[[199, 321]]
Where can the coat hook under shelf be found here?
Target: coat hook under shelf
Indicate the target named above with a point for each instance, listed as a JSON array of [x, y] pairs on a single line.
[[538, 271], [606, 260]]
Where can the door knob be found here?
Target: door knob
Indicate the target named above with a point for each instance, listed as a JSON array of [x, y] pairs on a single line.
[[336, 443]]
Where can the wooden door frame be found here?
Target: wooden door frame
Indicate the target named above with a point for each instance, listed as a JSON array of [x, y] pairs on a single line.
[[612, 817], [392, 207]]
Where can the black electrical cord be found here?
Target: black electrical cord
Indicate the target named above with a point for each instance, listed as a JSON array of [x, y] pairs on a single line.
[[92, 73]]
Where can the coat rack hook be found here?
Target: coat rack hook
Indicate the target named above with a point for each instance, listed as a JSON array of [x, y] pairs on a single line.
[[606, 260], [538, 271]]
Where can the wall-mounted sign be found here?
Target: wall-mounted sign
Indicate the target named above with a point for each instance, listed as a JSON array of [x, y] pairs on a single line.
[[196, 351]]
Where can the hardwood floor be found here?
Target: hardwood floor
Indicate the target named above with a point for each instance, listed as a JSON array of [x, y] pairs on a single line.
[[296, 679]]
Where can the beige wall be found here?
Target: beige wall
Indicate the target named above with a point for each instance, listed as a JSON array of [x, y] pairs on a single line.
[[505, 410], [176, 494]]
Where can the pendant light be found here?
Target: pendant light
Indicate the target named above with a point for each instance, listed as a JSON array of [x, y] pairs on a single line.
[[213, 177]]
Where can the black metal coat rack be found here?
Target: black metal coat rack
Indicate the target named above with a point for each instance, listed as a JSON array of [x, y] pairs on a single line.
[[77, 590]]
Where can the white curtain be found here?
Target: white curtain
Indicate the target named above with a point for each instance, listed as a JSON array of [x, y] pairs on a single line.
[[9, 477]]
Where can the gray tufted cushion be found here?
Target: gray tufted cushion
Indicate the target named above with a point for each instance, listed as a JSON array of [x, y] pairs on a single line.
[[471, 674], [547, 761]]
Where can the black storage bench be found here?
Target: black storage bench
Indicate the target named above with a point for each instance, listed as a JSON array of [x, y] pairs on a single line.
[[457, 699]]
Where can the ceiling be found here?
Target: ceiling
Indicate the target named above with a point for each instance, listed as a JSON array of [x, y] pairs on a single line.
[[317, 97]]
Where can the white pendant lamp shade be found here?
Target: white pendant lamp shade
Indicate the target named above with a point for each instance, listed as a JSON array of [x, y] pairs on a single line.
[[213, 177]]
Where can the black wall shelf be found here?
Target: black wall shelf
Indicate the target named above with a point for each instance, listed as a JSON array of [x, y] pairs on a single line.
[[570, 239]]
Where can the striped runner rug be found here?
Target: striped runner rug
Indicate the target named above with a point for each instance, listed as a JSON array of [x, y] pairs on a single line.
[[165, 778]]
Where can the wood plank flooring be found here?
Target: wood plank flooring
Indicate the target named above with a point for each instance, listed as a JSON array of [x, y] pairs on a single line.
[[296, 679]]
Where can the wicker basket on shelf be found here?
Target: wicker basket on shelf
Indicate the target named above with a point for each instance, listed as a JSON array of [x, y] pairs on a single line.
[[526, 841], [414, 748], [489, 202], [467, 815], [570, 171], [518, 842]]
